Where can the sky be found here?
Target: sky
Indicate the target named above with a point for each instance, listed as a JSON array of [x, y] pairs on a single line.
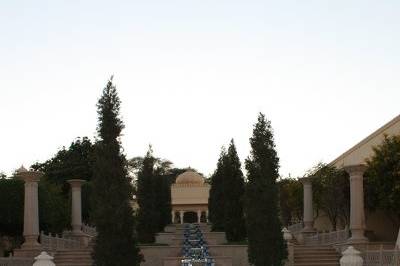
[[191, 75]]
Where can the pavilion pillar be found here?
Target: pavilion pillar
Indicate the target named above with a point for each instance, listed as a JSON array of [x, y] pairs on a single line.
[[357, 215], [181, 216], [31, 207], [173, 217], [308, 211], [198, 216], [76, 215]]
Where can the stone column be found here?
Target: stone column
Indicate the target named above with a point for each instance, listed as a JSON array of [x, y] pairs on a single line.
[[181, 216], [76, 215], [207, 216], [173, 217], [31, 207], [198, 216], [357, 216], [308, 211]]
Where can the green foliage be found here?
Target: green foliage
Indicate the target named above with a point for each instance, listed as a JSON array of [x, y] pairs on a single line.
[[331, 193], [11, 207], [146, 197], [233, 190], [266, 244], [291, 200], [54, 210], [74, 162], [154, 179], [216, 199], [383, 178], [116, 242]]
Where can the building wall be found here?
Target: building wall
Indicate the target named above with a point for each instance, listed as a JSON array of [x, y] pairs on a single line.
[[364, 149], [189, 194]]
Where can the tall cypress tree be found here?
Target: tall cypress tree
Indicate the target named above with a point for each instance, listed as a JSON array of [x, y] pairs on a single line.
[[112, 191], [147, 216], [233, 189], [216, 199], [266, 245]]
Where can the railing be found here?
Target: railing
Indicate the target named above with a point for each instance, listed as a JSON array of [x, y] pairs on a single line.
[[12, 261], [56, 243], [295, 228], [382, 257], [333, 237], [89, 230]]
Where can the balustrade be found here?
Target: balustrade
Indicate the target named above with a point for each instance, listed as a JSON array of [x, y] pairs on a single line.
[[333, 237]]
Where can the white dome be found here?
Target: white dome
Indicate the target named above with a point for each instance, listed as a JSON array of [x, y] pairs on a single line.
[[189, 177]]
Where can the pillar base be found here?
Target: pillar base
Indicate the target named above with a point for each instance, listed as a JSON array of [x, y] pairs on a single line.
[[357, 237], [357, 240], [308, 227], [31, 242]]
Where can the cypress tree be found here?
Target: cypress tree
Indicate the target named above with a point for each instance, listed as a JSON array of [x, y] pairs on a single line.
[[147, 216], [266, 245], [216, 199], [233, 188], [112, 191]]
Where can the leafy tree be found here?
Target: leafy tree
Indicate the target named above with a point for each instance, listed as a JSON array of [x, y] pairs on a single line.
[[53, 209], [383, 178], [291, 200], [74, 162], [266, 245], [11, 207], [216, 199], [233, 190], [116, 242], [331, 190]]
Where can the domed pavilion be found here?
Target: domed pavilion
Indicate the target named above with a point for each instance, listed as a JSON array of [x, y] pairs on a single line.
[[189, 198]]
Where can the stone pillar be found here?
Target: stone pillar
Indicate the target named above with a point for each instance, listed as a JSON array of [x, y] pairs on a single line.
[[76, 215], [31, 207], [357, 216], [198, 216], [308, 211], [181, 216], [207, 216], [173, 217]]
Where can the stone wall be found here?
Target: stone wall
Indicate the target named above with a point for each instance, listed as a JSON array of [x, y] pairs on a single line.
[[154, 255]]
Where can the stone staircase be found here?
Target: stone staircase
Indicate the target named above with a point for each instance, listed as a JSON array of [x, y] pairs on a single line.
[[79, 257], [323, 255]]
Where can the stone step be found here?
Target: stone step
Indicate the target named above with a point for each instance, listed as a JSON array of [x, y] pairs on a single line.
[[315, 256], [73, 258]]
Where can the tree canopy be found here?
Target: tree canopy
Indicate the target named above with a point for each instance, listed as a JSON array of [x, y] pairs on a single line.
[[216, 201], [266, 246], [383, 178], [233, 190], [331, 193], [291, 200], [116, 242]]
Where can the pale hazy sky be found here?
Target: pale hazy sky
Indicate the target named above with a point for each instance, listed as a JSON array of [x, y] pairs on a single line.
[[193, 74]]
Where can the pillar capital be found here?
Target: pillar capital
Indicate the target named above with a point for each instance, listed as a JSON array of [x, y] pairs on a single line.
[[306, 180], [356, 169], [76, 182], [29, 176]]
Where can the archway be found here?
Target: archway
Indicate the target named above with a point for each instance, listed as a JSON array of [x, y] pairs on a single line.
[[190, 217]]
